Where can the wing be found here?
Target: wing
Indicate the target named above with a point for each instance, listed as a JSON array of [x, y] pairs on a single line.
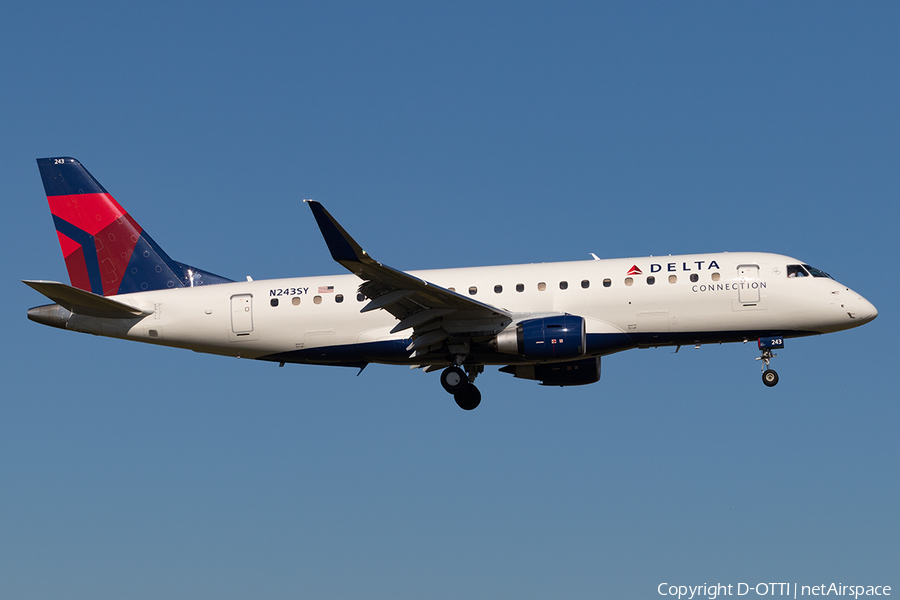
[[435, 314]]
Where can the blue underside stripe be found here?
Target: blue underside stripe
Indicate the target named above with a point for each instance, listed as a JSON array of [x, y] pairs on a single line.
[[394, 351]]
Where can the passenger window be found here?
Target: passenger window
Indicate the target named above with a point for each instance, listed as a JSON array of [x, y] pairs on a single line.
[[607, 282], [520, 287], [629, 281], [585, 284], [498, 289], [359, 297], [673, 278], [339, 298], [317, 299], [273, 302], [651, 280], [295, 300], [452, 289], [563, 285], [542, 286], [694, 278], [716, 276], [473, 290]]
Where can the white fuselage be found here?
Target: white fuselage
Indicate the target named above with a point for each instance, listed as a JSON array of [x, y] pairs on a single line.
[[701, 298]]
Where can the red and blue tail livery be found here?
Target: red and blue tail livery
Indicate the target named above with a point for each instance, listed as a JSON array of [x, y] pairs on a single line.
[[106, 251], [545, 322]]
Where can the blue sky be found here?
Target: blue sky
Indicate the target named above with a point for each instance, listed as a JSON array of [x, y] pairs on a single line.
[[452, 135]]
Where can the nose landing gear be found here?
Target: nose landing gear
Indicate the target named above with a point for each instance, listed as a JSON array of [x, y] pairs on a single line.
[[766, 344], [460, 383]]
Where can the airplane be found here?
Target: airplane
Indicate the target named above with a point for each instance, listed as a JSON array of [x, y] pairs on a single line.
[[547, 322]]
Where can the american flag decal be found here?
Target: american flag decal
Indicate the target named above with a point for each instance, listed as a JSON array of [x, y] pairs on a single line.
[[326, 289]]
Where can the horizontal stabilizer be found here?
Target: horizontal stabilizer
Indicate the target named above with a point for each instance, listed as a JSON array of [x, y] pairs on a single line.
[[85, 303]]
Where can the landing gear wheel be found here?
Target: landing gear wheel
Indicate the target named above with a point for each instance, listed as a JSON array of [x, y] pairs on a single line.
[[469, 398], [454, 380], [770, 377]]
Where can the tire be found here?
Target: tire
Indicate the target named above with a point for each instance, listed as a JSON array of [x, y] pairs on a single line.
[[770, 377], [469, 398], [454, 380]]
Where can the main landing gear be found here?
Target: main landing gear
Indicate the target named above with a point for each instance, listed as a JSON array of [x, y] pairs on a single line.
[[460, 384], [766, 344]]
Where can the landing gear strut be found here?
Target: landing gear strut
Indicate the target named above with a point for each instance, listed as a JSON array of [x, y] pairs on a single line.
[[769, 376], [460, 383]]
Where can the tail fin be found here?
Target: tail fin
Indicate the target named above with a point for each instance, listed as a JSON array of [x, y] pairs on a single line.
[[106, 251]]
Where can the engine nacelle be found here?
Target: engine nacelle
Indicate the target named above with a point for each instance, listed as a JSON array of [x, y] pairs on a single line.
[[548, 338], [573, 372]]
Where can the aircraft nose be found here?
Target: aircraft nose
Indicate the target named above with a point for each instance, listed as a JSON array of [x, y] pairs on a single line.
[[867, 310]]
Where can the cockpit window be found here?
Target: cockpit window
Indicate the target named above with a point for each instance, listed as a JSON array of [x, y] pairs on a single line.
[[796, 271], [817, 273]]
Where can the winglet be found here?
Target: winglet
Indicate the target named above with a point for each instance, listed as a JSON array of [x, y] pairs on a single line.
[[342, 246]]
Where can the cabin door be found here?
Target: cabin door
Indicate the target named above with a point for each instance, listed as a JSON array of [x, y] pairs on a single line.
[[748, 284], [242, 314]]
